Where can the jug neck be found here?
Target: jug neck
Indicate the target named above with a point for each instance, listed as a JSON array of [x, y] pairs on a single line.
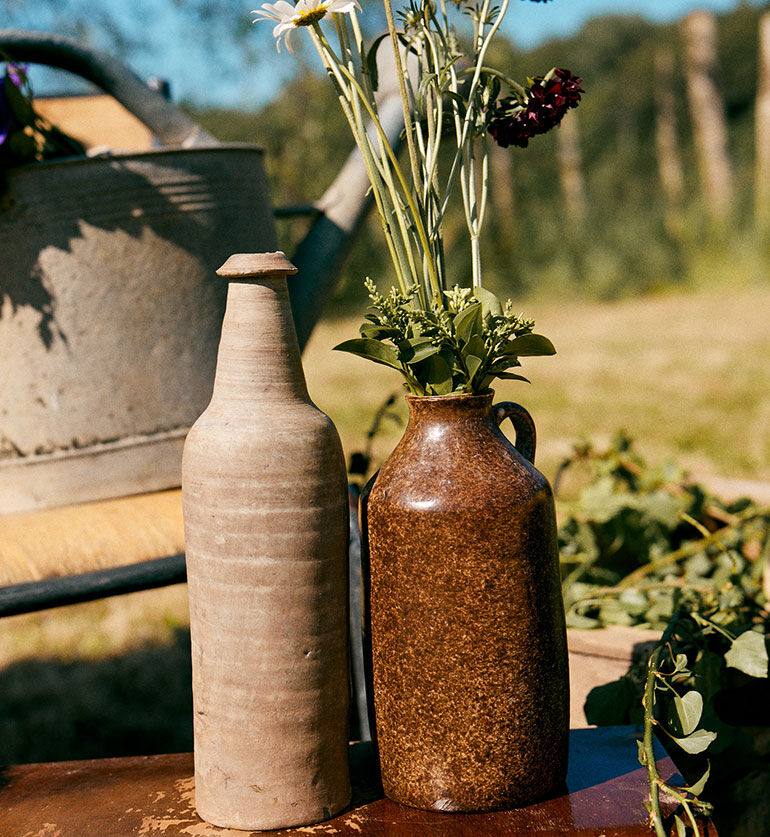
[[437, 410], [259, 356]]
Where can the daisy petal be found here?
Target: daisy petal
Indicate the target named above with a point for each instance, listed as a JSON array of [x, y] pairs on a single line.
[[342, 6]]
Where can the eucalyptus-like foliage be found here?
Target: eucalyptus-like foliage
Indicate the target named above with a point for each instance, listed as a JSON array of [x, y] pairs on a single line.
[[461, 346]]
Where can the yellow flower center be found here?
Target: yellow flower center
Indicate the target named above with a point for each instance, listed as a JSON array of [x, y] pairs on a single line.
[[309, 17]]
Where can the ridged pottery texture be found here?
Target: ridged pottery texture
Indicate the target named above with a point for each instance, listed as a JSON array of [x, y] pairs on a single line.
[[469, 654], [266, 527]]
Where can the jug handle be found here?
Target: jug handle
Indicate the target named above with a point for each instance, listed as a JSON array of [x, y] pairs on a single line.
[[526, 435]]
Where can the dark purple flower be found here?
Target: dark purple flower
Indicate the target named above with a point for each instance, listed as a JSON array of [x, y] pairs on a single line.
[[515, 121]]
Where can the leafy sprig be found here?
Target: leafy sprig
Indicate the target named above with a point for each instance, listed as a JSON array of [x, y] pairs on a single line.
[[460, 346], [687, 674], [640, 542]]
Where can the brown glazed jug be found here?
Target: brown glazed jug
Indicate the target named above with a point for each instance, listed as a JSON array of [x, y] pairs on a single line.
[[466, 621], [264, 495]]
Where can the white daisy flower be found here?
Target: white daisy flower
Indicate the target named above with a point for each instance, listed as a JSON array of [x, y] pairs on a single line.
[[305, 13]]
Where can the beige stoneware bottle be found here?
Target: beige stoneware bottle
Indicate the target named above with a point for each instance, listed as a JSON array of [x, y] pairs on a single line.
[[266, 529]]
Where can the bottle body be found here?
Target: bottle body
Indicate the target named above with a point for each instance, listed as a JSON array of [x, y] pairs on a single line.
[[266, 528]]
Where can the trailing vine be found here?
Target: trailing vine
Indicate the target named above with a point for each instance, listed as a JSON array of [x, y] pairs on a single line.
[[642, 546]]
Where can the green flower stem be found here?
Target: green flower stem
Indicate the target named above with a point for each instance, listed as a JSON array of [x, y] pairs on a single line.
[[431, 161], [705, 621], [331, 63], [672, 558], [473, 89], [648, 702], [415, 212], [491, 71], [405, 102], [360, 52], [484, 183], [656, 784], [383, 192], [390, 193], [683, 552]]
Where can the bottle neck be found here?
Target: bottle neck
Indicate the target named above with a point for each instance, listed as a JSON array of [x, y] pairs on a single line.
[[259, 355]]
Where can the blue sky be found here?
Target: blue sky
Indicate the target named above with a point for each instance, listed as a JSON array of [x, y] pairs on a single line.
[[531, 23], [202, 65]]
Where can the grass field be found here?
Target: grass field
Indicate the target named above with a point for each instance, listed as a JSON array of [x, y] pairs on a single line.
[[687, 376]]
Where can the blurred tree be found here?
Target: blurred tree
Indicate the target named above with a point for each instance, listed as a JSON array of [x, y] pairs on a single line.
[[707, 111]]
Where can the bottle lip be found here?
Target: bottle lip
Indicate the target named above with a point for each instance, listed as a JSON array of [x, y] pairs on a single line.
[[247, 265]]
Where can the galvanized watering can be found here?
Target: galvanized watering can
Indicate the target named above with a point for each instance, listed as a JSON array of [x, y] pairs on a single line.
[[109, 306]]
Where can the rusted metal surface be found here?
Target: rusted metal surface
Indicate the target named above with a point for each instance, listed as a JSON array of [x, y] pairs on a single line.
[[149, 796]]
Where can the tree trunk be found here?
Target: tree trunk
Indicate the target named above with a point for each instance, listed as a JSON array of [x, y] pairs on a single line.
[[570, 167], [762, 129], [503, 201], [708, 114]]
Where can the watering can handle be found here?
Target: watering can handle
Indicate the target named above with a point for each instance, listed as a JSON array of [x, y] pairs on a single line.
[[526, 435], [166, 121]]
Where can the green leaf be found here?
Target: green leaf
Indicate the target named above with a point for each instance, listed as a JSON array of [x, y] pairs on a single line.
[[371, 350], [469, 322], [640, 752], [681, 829], [475, 346], [426, 81], [576, 620], [436, 374], [689, 709], [698, 787], [696, 742], [530, 345], [472, 364], [371, 61], [490, 304], [512, 376], [378, 332], [416, 349], [748, 654], [462, 103]]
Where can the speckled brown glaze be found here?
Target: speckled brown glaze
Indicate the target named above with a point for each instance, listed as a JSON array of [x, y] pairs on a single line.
[[266, 533], [469, 655]]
